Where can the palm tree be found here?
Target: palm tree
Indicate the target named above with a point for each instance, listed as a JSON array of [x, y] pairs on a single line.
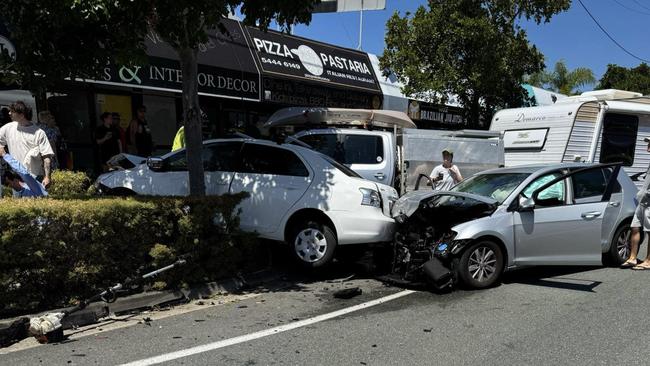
[[561, 80]]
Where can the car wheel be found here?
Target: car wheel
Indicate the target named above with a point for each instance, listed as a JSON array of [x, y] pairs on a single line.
[[619, 250], [313, 244], [481, 264]]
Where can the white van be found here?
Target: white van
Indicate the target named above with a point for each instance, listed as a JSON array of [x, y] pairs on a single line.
[[596, 127]]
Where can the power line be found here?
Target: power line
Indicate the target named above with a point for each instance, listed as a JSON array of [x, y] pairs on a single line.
[[610, 37], [641, 5], [630, 9]]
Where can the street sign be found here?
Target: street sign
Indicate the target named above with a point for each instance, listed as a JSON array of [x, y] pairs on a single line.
[[338, 6]]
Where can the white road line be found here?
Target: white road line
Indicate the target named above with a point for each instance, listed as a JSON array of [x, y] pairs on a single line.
[[264, 333]]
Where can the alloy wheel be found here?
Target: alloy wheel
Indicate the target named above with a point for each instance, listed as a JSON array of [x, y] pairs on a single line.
[[482, 264], [623, 244]]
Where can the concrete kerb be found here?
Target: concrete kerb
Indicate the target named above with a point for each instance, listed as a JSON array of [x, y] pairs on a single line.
[[152, 299]]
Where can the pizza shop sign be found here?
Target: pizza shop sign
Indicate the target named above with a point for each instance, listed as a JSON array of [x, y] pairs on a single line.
[[286, 55]]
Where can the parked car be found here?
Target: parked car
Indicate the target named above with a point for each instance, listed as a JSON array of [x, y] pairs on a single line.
[[508, 218], [297, 195]]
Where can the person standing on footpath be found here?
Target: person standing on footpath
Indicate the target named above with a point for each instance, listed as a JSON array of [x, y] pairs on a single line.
[[47, 123], [140, 134], [641, 221], [27, 143], [107, 138], [446, 175]]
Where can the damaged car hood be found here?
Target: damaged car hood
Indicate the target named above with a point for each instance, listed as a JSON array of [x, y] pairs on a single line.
[[410, 202]]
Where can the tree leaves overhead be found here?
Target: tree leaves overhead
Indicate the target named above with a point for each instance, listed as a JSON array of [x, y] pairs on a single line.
[[470, 48], [561, 80], [635, 79], [56, 39]]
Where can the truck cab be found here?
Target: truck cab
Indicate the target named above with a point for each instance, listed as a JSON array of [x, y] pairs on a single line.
[[369, 153]]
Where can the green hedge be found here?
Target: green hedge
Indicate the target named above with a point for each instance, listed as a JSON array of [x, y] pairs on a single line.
[[68, 184], [53, 252]]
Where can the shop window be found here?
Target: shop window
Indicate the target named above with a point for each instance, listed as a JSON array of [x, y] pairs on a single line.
[[619, 138], [161, 118]]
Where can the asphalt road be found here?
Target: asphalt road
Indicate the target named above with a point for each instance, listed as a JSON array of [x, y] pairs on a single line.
[[577, 316]]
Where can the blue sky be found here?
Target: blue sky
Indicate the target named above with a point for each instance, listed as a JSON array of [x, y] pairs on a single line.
[[572, 36]]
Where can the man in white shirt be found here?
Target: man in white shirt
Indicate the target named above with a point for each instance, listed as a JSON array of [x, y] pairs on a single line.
[[27, 143], [446, 175]]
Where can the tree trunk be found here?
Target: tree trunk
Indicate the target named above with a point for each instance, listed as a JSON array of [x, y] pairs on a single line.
[[192, 121]]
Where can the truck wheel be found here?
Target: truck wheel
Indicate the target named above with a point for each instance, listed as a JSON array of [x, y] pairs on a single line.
[[313, 243], [481, 265]]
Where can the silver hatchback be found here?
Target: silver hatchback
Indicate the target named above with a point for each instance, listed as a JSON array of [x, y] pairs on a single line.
[[507, 218]]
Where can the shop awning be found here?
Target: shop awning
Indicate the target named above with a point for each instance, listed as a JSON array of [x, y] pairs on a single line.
[[226, 67]]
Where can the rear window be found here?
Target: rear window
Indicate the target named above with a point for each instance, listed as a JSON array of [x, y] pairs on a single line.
[[348, 148], [262, 159], [347, 171]]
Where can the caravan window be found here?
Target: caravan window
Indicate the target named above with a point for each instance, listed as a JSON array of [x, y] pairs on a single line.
[[619, 138]]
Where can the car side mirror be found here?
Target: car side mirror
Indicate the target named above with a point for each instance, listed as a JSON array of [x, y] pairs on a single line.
[[155, 164], [526, 204]]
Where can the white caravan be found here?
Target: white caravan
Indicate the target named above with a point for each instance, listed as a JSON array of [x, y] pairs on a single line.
[[596, 127]]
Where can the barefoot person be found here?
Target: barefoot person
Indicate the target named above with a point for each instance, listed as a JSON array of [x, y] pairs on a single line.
[[640, 221], [446, 175]]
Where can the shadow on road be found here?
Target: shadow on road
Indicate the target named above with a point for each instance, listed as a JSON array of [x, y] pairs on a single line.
[[554, 277]]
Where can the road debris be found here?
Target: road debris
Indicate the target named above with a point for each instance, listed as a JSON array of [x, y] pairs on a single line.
[[347, 293], [48, 328]]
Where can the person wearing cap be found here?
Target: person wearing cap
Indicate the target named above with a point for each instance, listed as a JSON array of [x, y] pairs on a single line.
[[640, 221], [446, 175]]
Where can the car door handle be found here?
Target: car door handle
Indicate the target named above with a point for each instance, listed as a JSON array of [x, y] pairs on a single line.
[[590, 215], [615, 204], [379, 176]]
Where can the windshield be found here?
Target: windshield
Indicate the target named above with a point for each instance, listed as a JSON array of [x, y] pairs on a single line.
[[495, 186]]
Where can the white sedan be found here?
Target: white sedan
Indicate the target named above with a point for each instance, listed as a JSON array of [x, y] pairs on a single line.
[[297, 195]]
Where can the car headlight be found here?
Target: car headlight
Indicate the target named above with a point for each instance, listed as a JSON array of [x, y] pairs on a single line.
[[370, 197]]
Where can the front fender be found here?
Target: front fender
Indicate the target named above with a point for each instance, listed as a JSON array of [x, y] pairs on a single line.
[[499, 226]]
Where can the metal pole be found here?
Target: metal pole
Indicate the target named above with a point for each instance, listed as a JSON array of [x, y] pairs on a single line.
[[360, 25]]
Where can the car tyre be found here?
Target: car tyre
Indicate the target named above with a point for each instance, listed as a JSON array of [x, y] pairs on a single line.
[[313, 244], [121, 192], [481, 265], [619, 249]]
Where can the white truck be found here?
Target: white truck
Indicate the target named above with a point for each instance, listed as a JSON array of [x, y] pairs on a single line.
[[385, 146], [600, 126]]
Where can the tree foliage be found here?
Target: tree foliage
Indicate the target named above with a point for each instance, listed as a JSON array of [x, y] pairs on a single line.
[[77, 38], [474, 49], [633, 79], [561, 80]]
